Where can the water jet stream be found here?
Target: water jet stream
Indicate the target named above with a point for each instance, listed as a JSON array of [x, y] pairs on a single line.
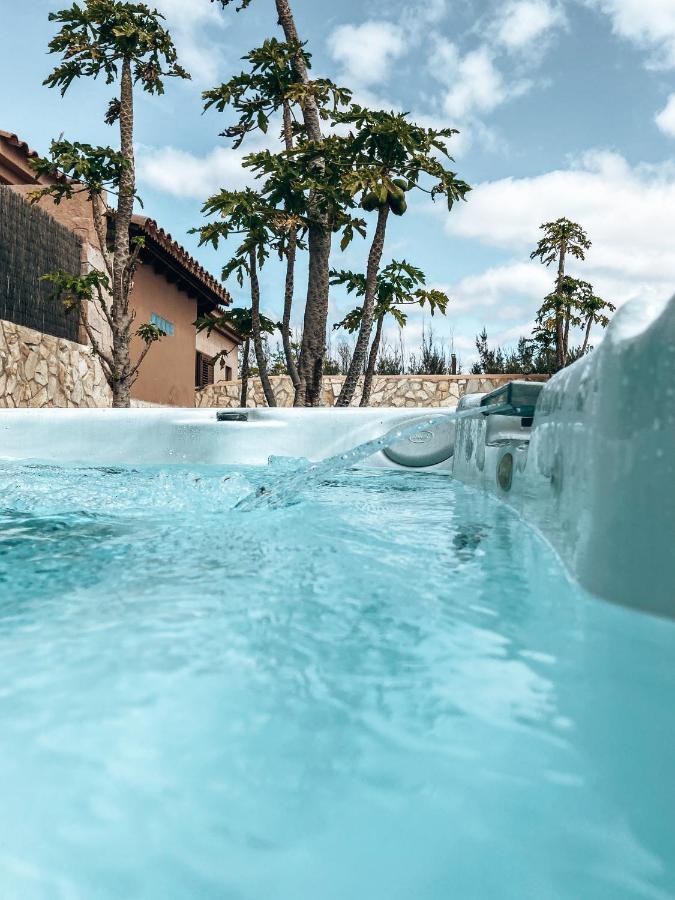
[[290, 484]]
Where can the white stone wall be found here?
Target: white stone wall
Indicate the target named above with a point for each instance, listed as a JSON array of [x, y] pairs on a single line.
[[37, 370], [388, 390]]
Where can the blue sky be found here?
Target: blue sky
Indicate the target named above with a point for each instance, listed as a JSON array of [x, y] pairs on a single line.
[[564, 108]]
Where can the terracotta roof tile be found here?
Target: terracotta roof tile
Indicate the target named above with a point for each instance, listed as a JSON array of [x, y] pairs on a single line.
[[16, 141], [154, 231]]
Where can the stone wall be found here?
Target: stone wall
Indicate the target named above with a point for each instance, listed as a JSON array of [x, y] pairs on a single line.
[[37, 370], [388, 390]]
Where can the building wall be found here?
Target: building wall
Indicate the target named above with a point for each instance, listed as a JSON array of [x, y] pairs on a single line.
[[213, 344], [388, 390], [167, 375], [38, 370], [75, 213]]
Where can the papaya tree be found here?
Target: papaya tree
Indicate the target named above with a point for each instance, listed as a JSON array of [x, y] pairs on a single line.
[[576, 304], [262, 228], [266, 88], [592, 311], [127, 45], [241, 319], [399, 285], [561, 239], [389, 157], [319, 225]]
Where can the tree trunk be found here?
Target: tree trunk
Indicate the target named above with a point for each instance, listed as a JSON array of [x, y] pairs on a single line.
[[310, 110], [358, 358], [121, 320], [310, 365], [587, 335], [288, 305], [244, 373], [372, 360], [291, 252], [257, 336], [559, 334], [312, 350]]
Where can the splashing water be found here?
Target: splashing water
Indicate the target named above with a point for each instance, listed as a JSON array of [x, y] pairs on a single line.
[[291, 483]]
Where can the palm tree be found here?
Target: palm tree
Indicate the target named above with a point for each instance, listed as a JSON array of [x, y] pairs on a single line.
[[592, 309], [562, 238], [262, 229], [399, 284], [577, 304], [127, 45]]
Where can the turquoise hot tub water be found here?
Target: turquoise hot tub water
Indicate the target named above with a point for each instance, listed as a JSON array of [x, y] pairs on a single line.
[[384, 688]]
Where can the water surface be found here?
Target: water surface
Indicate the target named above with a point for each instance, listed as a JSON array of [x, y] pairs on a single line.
[[386, 690]]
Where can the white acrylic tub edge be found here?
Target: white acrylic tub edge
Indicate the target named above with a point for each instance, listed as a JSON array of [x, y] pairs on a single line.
[[597, 476]]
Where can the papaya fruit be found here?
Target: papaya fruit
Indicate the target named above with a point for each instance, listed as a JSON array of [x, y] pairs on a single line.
[[397, 204], [370, 202], [401, 183]]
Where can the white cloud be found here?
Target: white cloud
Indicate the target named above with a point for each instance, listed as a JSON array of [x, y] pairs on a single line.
[[523, 21], [505, 291], [665, 120], [629, 214], [647, 23], [474, 84], [367, 51], [192, 26], [182, 174], [417, 17]]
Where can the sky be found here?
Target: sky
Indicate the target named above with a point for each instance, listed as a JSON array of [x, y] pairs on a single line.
[[564, 108]]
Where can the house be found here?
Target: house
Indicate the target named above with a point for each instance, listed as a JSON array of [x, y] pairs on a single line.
[[171, 289]]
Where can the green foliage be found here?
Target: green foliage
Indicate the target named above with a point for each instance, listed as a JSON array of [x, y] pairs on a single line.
[[308, 179], [76, 290], [559, 234], [238, 317], [242, 3], [577, 302], [399, 284], [79, 167], [530, 357], [97, 35], [388, 151], [247, 214], [270, 82], [150, 333], [389, 361]]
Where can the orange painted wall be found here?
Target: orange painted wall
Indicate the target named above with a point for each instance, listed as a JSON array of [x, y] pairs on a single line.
[[168, 372]]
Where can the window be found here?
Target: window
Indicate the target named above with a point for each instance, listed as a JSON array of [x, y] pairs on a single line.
[[228, 373], [164, 324], [203, 370]]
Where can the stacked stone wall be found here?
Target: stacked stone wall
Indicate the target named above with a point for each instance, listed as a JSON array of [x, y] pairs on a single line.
[[37, 370], [388, 390]]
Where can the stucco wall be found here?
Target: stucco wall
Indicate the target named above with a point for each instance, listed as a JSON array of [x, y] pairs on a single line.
[[168, 371], [39, 370], [213, 344], [388, 390]]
